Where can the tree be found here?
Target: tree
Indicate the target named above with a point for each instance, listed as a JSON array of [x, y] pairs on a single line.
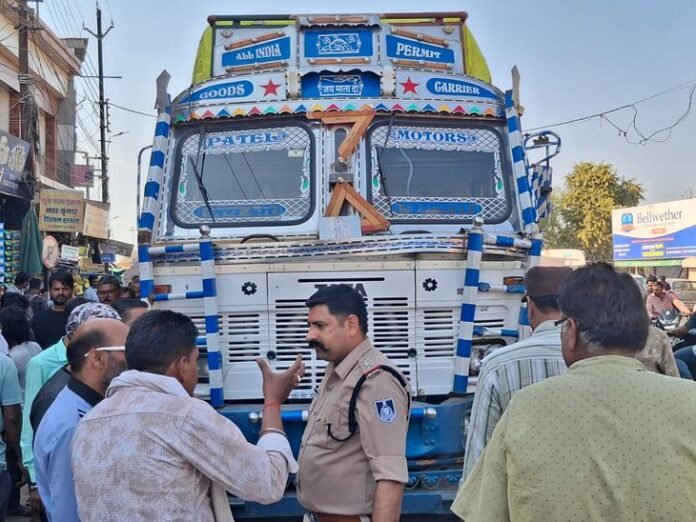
[[689, 193], [581, 216]]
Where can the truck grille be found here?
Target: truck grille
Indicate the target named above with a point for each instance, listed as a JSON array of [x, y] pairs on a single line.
[[244, 336], [420, 339], [438, 328], [241, 339], [437, 332], [288, 323]]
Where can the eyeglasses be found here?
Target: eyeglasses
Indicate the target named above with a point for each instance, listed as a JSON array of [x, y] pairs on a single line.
[[107, 349], [560, 321]]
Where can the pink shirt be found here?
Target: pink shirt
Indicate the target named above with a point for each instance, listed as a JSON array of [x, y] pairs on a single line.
[[655, 304]]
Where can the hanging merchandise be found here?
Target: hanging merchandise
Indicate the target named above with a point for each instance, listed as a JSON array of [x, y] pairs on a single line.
[[10, 249]]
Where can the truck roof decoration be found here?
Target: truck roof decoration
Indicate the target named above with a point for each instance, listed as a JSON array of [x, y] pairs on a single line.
[[251, 65]]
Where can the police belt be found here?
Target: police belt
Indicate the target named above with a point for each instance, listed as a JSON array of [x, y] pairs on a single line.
[[325, 517]]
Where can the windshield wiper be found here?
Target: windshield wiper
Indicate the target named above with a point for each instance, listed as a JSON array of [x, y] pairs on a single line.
[[199, 175], [380, 172]]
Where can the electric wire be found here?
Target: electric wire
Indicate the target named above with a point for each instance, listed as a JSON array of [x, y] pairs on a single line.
[[633, 125]]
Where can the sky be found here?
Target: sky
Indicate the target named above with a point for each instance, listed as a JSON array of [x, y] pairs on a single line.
[[575, 58]]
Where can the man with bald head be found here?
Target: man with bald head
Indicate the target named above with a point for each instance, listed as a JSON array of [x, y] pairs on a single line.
[[40, 372], [96, 355]]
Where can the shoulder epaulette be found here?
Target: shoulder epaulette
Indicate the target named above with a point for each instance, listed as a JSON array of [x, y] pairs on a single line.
[[368, 366]]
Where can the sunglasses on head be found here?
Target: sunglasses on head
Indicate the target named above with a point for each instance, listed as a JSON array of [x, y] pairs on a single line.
[[107, 349]]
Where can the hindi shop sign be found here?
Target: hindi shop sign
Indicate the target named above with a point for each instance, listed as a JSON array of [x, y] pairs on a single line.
[[13, 156], [61, 211], [655, 232]]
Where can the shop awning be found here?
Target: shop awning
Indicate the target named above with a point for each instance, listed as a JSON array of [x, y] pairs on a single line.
[[648, 263]]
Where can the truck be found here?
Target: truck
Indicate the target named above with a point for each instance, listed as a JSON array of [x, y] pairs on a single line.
[[365, 149]]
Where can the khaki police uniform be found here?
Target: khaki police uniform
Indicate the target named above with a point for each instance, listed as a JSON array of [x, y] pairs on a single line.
[[339, 478]]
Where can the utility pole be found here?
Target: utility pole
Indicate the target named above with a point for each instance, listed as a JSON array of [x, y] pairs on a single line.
[[26, 96], [102, 105]]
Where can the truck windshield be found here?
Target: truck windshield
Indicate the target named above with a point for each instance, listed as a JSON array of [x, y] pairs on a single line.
[[434, 174], [251, 175]]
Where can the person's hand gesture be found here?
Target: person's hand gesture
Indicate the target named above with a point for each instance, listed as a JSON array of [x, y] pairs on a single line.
[[278, 385]]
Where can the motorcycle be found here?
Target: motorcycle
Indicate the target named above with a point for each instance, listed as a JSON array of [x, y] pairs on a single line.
[[668, 320], [688, 340]]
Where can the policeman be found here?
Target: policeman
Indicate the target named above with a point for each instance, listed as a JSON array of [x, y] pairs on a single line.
[[353, 454]]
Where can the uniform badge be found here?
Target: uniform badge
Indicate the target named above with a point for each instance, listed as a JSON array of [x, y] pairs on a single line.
[[386, 410]]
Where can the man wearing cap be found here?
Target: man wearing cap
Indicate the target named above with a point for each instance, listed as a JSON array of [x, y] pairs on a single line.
[[509, 369], [584, 445], [96, 356]]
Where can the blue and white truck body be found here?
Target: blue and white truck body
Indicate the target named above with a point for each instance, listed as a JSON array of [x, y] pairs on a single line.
[[242, 218]]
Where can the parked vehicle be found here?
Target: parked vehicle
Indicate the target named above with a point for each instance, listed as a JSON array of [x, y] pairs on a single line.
[[563, 257], [642, 283], [685, 290], [370, 150]]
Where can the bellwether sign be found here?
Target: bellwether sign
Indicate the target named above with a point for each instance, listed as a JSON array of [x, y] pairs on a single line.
[[651, 232]]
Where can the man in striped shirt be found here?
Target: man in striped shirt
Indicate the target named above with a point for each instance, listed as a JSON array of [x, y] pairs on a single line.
[[509, 369]]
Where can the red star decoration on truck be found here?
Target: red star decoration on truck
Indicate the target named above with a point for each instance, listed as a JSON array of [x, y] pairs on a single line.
[[409, 86], [270, 88]]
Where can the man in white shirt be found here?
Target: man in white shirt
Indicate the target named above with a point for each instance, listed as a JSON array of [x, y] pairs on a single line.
[[509, 369]]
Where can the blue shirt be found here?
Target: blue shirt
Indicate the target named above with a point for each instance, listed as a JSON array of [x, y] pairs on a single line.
[[40, 369], [52, 450], [9, 394], [91, 295]]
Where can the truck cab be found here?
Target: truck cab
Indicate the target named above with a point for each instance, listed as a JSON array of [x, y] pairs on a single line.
[[370, 150]]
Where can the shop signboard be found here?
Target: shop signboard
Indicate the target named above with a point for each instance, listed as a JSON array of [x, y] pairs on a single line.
[[82, 176], [655, 232], [13, 156], [70, 253], [96, 220], [61, 211], [116, 247]]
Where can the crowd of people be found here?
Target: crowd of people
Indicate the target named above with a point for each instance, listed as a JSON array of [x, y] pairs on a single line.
[[35, 331], [104, 426], [564, 423]]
